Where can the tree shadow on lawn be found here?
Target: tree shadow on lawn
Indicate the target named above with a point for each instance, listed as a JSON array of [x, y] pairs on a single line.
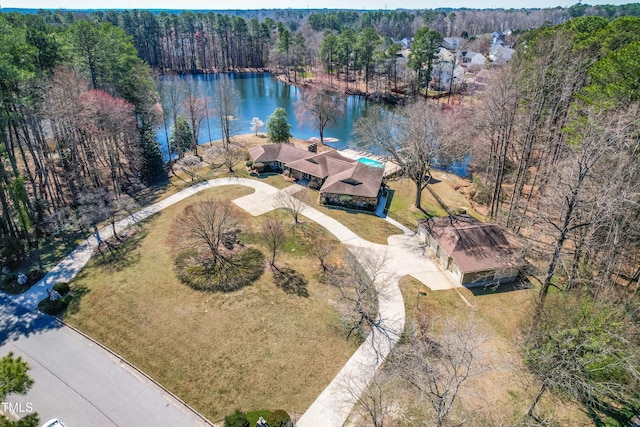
[[120, 254], [77, 292], [155, 192], [290, 281]]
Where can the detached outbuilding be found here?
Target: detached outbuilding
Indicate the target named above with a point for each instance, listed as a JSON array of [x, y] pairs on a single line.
[[476, 253]]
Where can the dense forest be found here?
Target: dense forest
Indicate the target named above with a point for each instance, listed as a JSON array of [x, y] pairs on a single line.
[[555, 144], [557, 162]]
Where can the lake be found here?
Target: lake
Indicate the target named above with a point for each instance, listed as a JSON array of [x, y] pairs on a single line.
[[260, 94]]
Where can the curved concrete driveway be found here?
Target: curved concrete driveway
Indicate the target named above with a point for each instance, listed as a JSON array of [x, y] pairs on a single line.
[[403, 256]]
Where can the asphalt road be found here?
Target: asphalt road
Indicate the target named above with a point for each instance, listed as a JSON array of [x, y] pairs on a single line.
[[79, 382]]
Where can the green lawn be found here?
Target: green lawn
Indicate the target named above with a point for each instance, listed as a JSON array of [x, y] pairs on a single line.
[[245, 349], [403, 199], [404, 194]]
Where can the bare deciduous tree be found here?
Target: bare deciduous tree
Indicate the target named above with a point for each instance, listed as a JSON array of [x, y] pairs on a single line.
[[362, 283], [293, 203], [195, 109], [172, 91], [120, 208], [580, 347], [318, 108], [273, 236], [373, 403], [226, 100], [437, 361], [498, 125], [190, 165], [322, 248], [228, 156], [210, 224], [415, 137], [585, 185], [94, 207]]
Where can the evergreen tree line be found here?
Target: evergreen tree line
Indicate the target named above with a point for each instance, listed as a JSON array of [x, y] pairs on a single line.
[[230, 40], [77, 113]]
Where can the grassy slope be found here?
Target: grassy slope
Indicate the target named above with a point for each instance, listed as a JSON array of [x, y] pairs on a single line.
[[254, 348]]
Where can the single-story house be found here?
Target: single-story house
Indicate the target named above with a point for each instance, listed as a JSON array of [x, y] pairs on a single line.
[[340, 180], [474, 252], [274, 156]]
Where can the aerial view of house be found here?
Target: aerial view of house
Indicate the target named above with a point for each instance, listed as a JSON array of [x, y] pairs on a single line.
[[277, 214], [474, 252], [340, 180]]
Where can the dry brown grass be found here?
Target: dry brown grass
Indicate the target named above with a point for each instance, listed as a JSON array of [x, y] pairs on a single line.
[[447, 189], [250, 349], [503, 390], [405, 195]]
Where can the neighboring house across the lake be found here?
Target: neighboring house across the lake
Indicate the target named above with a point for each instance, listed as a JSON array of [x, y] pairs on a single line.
[[499, 37], [442, 76], [452, 43], [406, 43], [500, 54], [473, 60], [340, 180], [480, 80], [474, 252]]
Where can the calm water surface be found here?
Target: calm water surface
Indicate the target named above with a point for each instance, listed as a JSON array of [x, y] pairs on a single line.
[[260, 94]]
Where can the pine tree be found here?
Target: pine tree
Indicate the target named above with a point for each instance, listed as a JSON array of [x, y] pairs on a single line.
[[278, 128], [152, 163]]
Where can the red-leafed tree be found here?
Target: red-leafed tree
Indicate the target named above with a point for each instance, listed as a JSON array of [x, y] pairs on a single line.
[[108, 126]]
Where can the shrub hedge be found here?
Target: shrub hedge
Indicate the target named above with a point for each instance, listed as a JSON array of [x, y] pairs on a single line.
[[237, 419], [279, 418], [62, 288], [54, 307]]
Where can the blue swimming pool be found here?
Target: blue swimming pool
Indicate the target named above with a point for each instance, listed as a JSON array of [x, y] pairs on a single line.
[[370, 162]]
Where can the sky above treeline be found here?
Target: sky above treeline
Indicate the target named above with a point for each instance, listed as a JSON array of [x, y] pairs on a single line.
[[292, 4]]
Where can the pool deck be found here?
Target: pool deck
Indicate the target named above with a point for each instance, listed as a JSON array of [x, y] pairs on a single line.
[[389, 167]]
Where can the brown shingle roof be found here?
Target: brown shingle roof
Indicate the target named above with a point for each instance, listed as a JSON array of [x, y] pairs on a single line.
[[358, 180], [322, 165], [283, 153], [343, 175], [474, 245]]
